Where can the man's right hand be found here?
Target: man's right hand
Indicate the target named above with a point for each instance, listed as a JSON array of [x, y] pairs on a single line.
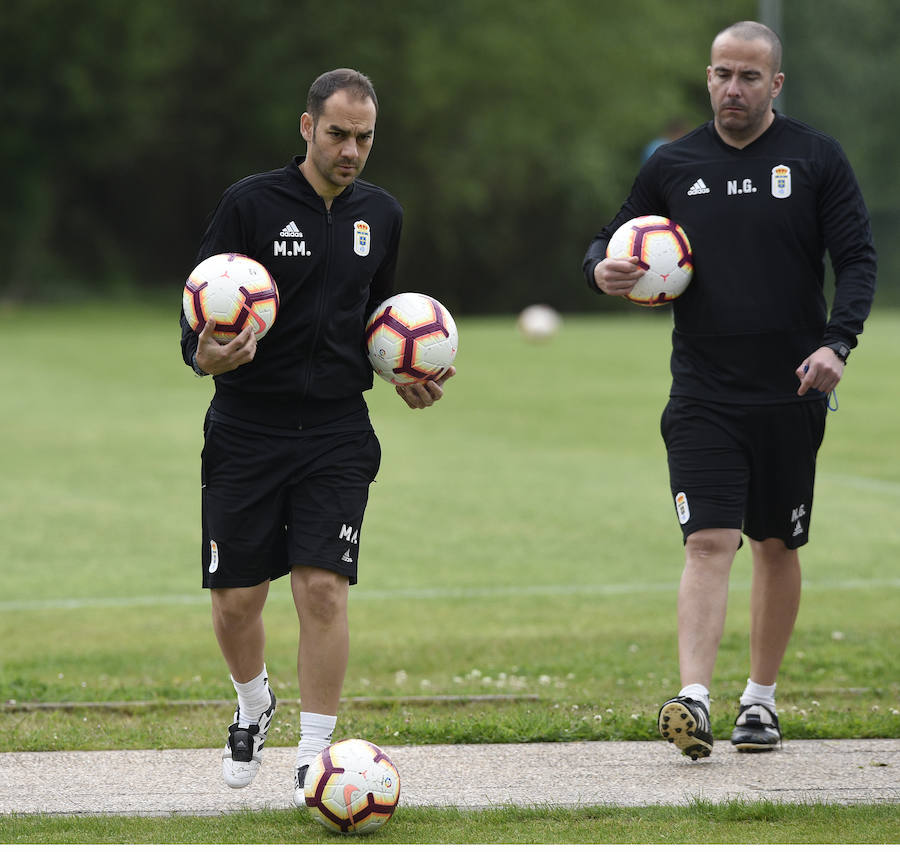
[[616, 276], [216, 358]]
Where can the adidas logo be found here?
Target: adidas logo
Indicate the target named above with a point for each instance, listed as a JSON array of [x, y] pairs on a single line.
[[347, 557], [699, 188], [291, 230], [798, 529]]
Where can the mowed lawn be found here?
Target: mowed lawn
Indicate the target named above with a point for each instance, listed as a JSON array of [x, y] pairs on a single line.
[[520, 541]]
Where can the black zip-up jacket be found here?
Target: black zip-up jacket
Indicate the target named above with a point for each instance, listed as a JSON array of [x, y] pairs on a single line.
[[759, 220], [332, 268]]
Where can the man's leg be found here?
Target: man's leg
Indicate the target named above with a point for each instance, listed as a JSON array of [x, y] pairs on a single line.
[[703, 600], [238, 625], [702, 603], [774, 602], [320, 597]]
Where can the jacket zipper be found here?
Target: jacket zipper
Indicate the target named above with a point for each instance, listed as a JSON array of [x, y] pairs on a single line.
[[320, 308]]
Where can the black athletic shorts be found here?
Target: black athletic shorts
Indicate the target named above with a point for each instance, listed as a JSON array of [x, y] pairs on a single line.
[[273, 498], [749, 467]]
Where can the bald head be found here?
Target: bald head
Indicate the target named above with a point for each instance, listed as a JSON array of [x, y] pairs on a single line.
[[751, 31]]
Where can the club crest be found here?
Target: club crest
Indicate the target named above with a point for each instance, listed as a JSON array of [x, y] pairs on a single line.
[[781, 182], [361, 238]]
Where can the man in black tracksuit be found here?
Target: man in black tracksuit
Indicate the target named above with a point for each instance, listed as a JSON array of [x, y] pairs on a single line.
[[754, 358], [289, 451]]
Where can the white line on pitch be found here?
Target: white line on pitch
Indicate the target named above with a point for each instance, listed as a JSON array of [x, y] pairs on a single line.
[[438, 594], [863, 483]]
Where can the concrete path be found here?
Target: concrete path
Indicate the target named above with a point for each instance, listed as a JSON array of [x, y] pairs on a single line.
[[189, 781]]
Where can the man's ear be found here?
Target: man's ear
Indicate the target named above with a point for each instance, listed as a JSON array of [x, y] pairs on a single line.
[[306, 126]]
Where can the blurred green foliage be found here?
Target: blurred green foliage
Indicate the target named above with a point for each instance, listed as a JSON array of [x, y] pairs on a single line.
[[509, 131]]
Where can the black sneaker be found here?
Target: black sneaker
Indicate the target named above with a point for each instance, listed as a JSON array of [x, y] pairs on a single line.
[[756, 729], [685, 723], [242, 755], [299, 783]]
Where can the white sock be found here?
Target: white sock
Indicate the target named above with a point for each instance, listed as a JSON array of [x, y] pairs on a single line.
[[698, 692], [315, 734], [757, 693], [253, 698]]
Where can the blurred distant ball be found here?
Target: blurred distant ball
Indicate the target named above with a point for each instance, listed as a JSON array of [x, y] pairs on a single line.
[[663, 251], [235, 291], [538, 322]]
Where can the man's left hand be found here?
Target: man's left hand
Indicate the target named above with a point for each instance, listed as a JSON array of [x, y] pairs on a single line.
[[821, 371], [424, 394]]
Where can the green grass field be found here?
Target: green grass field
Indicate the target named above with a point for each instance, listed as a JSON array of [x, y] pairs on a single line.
[[520, 541]]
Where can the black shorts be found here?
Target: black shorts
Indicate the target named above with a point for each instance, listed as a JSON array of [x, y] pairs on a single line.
[[276, 498], [744, 467]]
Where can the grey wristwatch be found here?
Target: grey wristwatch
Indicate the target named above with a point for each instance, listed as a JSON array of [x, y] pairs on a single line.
[[197, 369], [842, 350]]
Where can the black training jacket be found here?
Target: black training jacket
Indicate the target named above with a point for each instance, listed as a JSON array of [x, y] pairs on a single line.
[[759, 220], [311, 367]]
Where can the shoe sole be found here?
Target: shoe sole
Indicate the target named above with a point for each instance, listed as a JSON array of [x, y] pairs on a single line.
[[677, 726], [755, 746], [239, 783]]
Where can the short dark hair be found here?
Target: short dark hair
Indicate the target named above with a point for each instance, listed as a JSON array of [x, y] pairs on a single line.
[[750, 30], [325, 85]]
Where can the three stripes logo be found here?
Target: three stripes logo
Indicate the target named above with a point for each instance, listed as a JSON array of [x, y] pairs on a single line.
[[699, 188]]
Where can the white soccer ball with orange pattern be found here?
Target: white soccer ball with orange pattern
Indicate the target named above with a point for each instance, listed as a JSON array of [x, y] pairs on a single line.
[[663, 251], [411, 338], [352, 787], [235, 291]]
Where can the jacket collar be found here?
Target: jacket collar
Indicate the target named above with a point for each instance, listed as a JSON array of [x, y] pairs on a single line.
[[293, 167]]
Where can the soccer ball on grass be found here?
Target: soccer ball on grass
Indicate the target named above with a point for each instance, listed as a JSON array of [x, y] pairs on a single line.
[[235, 291], [411, 338], [663, 251], [352, 787]]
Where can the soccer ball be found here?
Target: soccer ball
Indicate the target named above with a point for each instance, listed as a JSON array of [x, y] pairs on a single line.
[[411, 338], [538, 322], [352, 787], [664, 252], [235, 291]]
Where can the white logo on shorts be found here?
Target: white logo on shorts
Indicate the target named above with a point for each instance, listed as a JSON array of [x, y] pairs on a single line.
[[349, 534], [213, 557], [681, 506]]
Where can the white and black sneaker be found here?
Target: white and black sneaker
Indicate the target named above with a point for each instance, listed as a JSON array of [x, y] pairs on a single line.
[[756, 729], [299, 783], [242, 755], [685, 723]]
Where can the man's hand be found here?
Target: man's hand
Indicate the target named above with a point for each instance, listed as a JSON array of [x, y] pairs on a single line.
[[821, 371], [423, 394], [616, 276], [216, 358]]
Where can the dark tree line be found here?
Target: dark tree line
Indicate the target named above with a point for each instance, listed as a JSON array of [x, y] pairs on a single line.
[[510, 131]]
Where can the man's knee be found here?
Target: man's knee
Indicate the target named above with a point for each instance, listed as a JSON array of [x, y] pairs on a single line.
[[318, 593], [235, 607], [712, 544]]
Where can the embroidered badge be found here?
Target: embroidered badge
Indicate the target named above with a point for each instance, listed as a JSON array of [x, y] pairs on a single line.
[[781, 182], [681, 506], [361, 238]]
